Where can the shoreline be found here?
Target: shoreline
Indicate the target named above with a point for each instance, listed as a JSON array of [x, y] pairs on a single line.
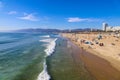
[[65, 63], [96, 65]]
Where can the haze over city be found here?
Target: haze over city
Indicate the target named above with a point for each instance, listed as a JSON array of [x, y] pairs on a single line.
[[60, 14]]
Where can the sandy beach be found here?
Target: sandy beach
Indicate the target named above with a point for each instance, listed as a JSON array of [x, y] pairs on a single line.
[[104, 45]]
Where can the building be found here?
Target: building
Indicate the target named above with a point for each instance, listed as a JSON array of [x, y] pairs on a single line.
[[106, 27]]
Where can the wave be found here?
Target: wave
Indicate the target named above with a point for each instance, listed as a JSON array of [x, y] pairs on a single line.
[[44, 74], [45, 36], [50, 47], [46, 40]]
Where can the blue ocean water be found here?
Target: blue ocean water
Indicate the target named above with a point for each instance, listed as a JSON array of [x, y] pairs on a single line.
[[38, 56], [23, 55]]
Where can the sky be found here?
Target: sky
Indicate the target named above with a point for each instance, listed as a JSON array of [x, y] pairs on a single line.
[[58, 14]]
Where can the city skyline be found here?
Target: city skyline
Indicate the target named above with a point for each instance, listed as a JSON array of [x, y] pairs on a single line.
[[60, 14]]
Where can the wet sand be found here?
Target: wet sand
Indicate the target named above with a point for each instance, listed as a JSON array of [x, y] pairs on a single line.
[[70, 62], [98, 67], [104, 45], [65, 63]]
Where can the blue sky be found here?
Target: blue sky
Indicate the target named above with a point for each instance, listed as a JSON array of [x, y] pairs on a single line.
[[59, 14]]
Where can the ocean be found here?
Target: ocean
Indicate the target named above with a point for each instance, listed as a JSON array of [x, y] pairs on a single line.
[[38, 56]]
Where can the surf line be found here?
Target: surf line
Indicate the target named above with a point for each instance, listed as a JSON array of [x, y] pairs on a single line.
[[50, 47]]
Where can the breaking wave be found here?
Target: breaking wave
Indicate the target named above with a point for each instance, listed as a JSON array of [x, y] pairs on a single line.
[[45, 36], [50, 47]]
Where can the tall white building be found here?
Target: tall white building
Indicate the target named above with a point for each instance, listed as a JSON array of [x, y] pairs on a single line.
[[105, 25], [110, 28]]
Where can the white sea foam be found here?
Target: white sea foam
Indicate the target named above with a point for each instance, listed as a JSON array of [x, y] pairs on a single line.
[[46, 40], [45, 36], [44, 74], [50, 47]]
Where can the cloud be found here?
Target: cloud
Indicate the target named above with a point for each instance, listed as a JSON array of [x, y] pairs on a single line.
[[29, 17], [12, 12], [1, 4], [77, 19]]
